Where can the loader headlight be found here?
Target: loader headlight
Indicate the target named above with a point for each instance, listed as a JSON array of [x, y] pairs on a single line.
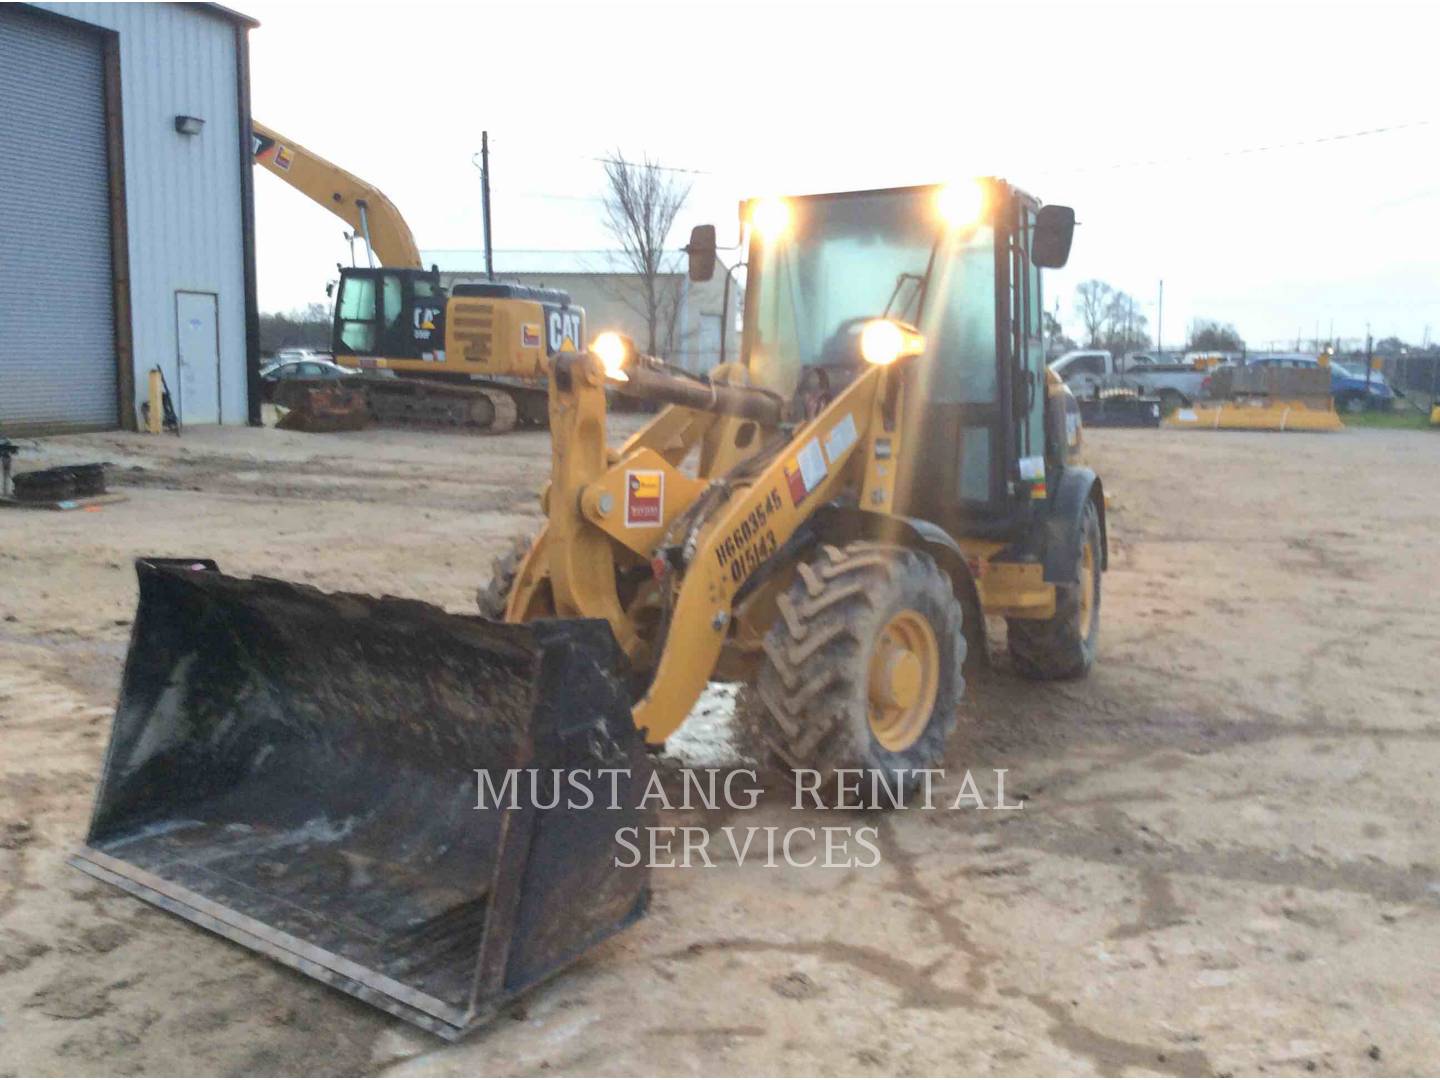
[[961, 203], [883, 341], [770, 218], [614, 351]]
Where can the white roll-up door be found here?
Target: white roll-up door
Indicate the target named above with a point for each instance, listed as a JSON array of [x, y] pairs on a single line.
[[57, 338]]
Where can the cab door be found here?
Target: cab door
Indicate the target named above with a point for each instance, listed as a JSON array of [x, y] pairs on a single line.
[[397, 340], [357, 314]]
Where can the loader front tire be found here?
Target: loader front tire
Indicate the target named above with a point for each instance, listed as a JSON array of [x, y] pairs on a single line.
[[1063, 646], [492, 598], [862, 668]]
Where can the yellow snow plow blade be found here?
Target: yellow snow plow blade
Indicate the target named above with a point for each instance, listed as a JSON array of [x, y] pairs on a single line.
[[366, 789], [1263, 398], [1261, 416]]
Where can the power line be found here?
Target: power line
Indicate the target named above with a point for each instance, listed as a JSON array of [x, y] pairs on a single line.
[[642, 164], [648, 165], [1250, 150]]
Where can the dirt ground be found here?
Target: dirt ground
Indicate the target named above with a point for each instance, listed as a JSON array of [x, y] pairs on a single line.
[[1227, 861]]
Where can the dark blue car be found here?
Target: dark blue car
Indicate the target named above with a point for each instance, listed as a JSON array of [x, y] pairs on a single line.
[[1348, 387]]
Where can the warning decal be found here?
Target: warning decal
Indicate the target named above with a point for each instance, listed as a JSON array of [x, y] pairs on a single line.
[[841, 437], [644, 497], [805, 471], [530, 335]]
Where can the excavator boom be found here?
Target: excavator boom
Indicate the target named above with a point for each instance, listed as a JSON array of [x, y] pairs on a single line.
[[360, 205]]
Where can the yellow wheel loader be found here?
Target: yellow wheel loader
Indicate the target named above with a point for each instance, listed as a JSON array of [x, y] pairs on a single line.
[[475, 356], [829, 519]]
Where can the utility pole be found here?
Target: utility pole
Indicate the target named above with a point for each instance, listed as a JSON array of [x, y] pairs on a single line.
[[1368, 363], [485, 202], [1160, 322]]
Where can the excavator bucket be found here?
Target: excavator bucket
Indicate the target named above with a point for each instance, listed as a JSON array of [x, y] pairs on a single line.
[[372, 791], [325, 406], [1263, 399]]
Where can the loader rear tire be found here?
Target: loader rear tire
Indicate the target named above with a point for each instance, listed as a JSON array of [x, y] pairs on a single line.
[[1063, 646], [862, 668]]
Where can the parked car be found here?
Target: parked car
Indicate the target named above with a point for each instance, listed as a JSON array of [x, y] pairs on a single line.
[[1348, 387], [1087, 370], [287, 355], [297, 369]]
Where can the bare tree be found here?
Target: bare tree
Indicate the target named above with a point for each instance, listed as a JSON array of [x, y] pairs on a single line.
[[1126, 326], [1093, 303], [1057, 342], [307, 327], [641, 203], [1210, 335]]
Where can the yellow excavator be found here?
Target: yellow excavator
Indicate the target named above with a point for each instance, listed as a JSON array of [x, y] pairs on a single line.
[[475, 356], [425, 809]]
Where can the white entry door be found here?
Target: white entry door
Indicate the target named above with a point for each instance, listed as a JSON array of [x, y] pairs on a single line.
[[197, 334]]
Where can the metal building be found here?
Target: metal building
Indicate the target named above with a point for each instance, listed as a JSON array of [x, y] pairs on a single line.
[[126, 215]]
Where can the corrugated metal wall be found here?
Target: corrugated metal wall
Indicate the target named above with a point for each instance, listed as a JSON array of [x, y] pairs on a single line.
[[57, 329], [183, 193]]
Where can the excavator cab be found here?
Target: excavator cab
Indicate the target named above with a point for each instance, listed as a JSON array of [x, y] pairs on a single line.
[[388, 312]]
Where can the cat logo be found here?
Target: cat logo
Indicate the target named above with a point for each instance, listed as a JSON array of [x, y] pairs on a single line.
[[424, 322], [564, 327], [644, 497]]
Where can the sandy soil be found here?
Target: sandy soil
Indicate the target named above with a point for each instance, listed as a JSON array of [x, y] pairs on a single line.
[[1226, 863]]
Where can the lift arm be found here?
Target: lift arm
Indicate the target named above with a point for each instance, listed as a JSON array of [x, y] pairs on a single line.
[[364, 208], [591, 502]]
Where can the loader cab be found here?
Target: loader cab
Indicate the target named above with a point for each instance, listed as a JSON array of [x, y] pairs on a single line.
[[398, 314], [963, 265]]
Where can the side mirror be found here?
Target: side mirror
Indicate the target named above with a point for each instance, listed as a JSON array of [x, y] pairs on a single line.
[[1054, 229], [701, 251]]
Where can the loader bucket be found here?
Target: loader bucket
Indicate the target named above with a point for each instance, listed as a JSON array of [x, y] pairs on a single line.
[[296, 771]]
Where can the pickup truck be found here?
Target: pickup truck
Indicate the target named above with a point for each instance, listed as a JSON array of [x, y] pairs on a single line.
[[1086, 370]]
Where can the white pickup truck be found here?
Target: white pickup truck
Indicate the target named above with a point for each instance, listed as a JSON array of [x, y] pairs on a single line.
[[1175, 384]]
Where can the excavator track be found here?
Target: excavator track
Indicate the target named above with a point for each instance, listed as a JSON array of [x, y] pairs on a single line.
[[428, 403]]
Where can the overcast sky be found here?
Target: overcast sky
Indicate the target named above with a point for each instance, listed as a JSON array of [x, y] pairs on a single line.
[[1139, 117]]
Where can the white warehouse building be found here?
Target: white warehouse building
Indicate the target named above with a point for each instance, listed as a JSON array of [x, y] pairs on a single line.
[[126, 215]]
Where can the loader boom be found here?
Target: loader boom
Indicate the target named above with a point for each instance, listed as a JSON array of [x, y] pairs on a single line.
[[592, 503], [360, 205]]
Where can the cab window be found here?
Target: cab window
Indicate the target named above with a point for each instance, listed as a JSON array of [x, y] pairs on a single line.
[[356, 311], [394, 300]]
